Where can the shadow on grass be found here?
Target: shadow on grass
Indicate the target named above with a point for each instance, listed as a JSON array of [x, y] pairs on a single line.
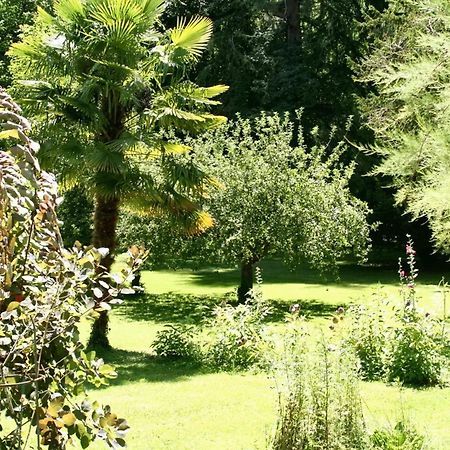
[[350, 274], [193, 309], [169, 307], [136, 366], [308, 308]]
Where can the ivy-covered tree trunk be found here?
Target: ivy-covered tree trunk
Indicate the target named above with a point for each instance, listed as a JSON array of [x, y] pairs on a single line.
[[246, 281], [105, 221]]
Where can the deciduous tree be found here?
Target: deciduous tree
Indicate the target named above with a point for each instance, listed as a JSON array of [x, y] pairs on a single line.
[[273, 200]]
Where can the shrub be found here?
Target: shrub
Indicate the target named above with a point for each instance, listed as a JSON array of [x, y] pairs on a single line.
[[416, 356], [44, 291], [237, 335], [396, 341], [321, 408], [176, 341], [395, 345]]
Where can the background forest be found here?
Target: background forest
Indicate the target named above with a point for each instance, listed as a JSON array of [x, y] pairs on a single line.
[[283, 57]]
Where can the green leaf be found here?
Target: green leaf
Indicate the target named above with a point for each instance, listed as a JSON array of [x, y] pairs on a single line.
[[55, 406], [107, 370], [85, 441], [69, 419], [193, 36], [12, 306], [6, 134]]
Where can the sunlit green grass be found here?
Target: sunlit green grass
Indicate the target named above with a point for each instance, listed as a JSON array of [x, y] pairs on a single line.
[[180, 406]]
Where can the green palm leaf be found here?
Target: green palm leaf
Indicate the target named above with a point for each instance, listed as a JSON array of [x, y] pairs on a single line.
[[194, 36], [152, 9], [68, 10], [117, 15]]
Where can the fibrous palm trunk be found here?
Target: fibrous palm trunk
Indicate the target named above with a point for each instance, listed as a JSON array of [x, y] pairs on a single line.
[[105, 221]]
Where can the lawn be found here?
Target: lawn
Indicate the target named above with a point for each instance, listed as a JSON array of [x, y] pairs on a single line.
[[180, 406]]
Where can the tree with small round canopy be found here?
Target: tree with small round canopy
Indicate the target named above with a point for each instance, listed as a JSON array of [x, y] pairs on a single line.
[[272, 200]]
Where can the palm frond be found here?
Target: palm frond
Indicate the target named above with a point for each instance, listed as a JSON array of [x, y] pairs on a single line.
[[173, 207], [31, 50], [107, 12], [102, 159], [175, 148], [44, 17], [120, 18], [68, 10], [212, 91], [188, 93], [192, 36], [152, 9]]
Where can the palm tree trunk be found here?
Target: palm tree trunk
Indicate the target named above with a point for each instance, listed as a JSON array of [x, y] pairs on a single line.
[[105, 221], [246, 281]]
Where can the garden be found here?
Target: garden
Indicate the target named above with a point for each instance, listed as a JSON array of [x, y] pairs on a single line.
[[224, 225]]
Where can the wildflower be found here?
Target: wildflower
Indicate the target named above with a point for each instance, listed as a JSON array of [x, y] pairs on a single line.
[[410, 250], [295, 308], [410, 285], [402, 274], [340, 310]]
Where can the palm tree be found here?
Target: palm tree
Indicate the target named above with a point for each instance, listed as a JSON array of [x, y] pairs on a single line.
[[110, 84]]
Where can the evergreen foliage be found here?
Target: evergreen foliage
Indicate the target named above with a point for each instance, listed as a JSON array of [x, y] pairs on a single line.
[[409, 110]]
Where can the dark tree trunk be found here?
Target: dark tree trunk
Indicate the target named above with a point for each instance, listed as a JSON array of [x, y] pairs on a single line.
[[246, 282], [293, 21], [105, 221]]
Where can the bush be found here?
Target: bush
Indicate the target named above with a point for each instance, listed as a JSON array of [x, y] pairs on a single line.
[[237, 335], [397, 342], [395, 345], [416, 355], [176, 341], [321, 408], [45, 290]]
